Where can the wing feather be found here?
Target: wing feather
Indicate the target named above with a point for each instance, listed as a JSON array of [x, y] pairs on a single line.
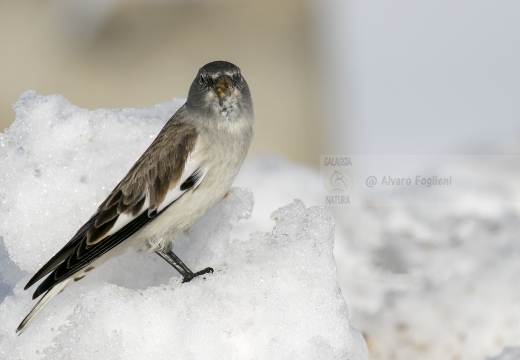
[[106, 216], [166, 170]]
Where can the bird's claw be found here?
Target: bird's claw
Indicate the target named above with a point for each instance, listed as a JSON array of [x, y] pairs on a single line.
[[189, 277]]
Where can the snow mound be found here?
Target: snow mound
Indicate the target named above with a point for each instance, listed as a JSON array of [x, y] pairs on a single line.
[[273, 295]]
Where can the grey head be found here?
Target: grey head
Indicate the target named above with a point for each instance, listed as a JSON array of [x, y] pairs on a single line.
[[219, 90]]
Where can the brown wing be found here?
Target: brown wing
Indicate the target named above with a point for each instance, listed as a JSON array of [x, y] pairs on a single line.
[[149, 180], [159, 169]]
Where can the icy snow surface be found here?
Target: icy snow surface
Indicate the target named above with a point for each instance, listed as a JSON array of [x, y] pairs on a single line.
[[274, 293]]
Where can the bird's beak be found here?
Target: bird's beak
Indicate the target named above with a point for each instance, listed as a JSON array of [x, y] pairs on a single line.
[[223, 88]]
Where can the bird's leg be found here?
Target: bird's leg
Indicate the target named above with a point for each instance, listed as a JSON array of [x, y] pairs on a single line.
[[177, 263]]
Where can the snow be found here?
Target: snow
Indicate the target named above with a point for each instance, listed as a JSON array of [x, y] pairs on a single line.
[[437, 282], [508, 354], [421, 282], [424, 282], [274, 293]]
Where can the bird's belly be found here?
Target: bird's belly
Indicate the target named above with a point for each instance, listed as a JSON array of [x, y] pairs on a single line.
[[185, 211]]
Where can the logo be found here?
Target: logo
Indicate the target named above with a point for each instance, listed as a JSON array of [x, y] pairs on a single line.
[[338, 181]]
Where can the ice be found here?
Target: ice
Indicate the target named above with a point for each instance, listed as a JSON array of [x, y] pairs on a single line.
[[274, 293]]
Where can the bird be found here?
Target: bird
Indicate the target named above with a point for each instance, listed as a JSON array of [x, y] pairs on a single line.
[[187, 169]]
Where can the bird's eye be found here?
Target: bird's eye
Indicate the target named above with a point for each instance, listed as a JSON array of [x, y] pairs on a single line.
[[237, 79], [202, 80]]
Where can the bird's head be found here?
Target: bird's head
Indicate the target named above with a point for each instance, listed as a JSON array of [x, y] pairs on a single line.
[[220, 88]]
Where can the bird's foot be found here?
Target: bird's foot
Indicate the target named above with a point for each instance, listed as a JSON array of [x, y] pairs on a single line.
[[189, 277]]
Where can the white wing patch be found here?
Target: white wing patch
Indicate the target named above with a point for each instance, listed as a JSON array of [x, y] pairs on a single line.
[[124, 219], [193, 163]]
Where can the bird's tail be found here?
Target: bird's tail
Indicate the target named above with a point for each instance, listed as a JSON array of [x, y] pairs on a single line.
[[55, 290]]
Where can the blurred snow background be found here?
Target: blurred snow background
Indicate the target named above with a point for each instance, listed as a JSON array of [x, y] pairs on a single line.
[[340, 76]]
